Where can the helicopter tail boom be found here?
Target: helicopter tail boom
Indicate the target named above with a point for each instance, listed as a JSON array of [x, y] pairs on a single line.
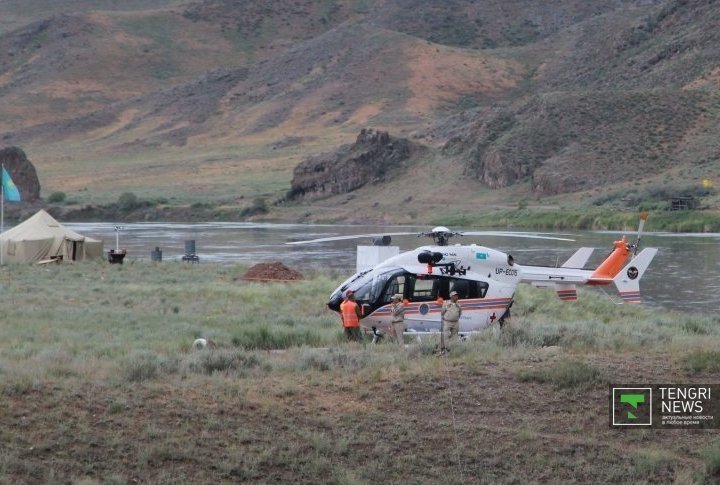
[[564, 280]]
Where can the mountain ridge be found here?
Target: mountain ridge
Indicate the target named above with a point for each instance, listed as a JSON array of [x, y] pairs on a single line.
[[557, 105]]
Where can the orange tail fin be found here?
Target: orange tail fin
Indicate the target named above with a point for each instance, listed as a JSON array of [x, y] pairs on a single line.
[[613, 263]]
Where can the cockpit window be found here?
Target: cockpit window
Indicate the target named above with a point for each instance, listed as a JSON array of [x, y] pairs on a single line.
[[369, 287], [469, 288], [423, 290], [396, 285], [353, 278], [462, 287], [430, 288]]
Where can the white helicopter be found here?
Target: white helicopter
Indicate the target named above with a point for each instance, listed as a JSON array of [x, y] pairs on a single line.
[[484, 278]]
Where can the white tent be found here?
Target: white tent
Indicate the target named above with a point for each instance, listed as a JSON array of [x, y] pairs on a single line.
[[41, 237]]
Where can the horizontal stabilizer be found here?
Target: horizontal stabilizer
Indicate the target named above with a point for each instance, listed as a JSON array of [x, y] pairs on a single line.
[[578, 259]]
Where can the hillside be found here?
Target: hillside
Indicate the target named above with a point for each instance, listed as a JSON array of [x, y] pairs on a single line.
[[216, 102]]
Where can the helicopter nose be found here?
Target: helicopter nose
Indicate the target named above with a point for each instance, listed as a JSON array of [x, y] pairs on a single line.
[[334, 303]]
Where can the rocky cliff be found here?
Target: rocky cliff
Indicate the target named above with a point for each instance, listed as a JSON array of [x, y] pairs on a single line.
[[22, 172], [373, 155]]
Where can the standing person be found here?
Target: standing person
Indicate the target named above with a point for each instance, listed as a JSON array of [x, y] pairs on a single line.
[[450, 313], [398, 317], [350, 316]]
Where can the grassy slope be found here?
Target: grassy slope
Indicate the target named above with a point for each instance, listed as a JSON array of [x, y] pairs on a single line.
[[17, 13], [317, 72], [99, 384]]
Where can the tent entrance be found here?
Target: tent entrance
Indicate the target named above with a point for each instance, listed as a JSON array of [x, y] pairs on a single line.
[[73, 249]]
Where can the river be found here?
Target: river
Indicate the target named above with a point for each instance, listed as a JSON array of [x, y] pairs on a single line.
[[683, 276]]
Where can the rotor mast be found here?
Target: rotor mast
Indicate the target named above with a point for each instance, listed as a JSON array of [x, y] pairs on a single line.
[[441, 235]]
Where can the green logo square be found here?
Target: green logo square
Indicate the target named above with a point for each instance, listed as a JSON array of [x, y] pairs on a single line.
[[631, 406]]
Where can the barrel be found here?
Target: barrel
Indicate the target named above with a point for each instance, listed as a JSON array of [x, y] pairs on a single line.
[[190, 247]]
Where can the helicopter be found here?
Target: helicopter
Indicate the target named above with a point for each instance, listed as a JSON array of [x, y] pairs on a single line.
[[485, 280]]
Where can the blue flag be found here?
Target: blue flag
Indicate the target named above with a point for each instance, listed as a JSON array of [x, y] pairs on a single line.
[[12, 194]]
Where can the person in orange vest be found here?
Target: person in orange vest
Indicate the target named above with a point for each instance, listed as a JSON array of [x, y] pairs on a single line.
[[350, 315]]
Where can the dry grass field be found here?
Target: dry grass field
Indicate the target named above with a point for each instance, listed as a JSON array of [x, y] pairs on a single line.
[[100, 384]]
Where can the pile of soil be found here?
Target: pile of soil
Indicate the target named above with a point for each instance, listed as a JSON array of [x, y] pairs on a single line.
[[272, 272]]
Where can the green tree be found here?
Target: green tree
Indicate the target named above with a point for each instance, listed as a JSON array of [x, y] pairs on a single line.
[[127, 201]]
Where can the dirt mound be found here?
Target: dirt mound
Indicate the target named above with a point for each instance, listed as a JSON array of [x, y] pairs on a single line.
[[275, 271]]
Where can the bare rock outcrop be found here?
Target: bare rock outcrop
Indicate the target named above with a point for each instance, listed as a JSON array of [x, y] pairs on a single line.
[[22, 172], [369, 159]]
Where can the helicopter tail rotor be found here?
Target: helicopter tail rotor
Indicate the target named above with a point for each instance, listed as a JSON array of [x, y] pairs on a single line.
[[636, 245]]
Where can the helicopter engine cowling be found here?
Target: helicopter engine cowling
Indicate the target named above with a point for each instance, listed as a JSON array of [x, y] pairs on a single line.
[[428, 257]]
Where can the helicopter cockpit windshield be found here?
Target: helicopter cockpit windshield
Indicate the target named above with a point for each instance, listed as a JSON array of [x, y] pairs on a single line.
[[368, 286]]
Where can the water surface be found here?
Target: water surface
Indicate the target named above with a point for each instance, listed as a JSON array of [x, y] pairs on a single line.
[[685, 274]]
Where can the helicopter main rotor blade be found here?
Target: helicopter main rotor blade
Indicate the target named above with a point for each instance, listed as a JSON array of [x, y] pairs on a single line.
[[526, 235], [352, 236]]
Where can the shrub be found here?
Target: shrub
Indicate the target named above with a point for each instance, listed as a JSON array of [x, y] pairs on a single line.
[[142, 366], [260, 337], [56, 198], [703, 360], [127, 201], [712, 462], [517, 337], [259, 206], [223, 361], [567, 373], [315, 361]]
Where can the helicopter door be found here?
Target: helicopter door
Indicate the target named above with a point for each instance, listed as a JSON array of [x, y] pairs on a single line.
[[462, 287]]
